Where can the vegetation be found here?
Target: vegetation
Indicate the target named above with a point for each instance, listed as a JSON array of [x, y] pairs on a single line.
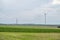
[[58, 26], [29, 36], [26, 32], [30, 29]]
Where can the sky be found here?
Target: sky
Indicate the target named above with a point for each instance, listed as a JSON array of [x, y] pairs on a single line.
[[30, 11]]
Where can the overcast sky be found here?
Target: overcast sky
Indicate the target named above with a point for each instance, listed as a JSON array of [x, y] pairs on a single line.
[[30, 11]]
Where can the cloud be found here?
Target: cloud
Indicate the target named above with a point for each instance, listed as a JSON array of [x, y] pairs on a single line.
[[29, 11], [55, 2]]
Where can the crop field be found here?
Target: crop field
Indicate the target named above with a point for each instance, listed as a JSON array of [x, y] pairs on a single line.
[[29, 26], [14, 32], [30, 29], [29, 36]]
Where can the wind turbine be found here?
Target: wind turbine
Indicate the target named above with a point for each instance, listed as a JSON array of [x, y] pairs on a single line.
[[45, 17], [16, 21]]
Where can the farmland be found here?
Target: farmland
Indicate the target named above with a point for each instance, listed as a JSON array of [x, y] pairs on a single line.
[[30, 29], [26, 32], [29, 36]]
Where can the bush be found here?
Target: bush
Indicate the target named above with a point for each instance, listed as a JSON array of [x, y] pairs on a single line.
[[58, 26]]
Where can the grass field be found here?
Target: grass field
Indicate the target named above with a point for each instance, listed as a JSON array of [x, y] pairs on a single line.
[[30, 29], [29, 36], [13, 32], [29, 26]]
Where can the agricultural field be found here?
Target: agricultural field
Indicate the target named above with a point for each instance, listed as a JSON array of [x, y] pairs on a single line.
[[30, 26], [30, 29], [17, 32], [29, 36]]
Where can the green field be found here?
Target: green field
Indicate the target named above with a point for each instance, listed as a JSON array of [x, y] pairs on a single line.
[[30, 29], [17, 32], [30, 26], [29, 36]]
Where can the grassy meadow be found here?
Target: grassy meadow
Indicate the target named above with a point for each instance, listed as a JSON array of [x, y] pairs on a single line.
[[29, 36], [20, 32]]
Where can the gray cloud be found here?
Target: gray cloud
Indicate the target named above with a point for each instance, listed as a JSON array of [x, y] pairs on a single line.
[[29, 11]]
